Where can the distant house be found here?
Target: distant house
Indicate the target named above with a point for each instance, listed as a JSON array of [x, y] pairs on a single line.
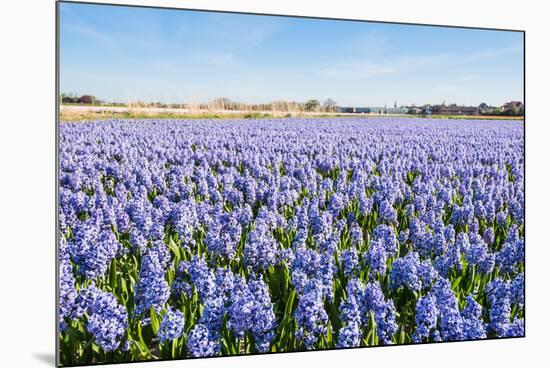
[[414, 110], [419, 110], [515, 107], [396, 110], [86, 99], [454, 110]]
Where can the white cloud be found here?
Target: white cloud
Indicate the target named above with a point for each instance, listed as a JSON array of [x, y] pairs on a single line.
[[490, 53], [372, 67], [376, 65], [90, 33], [363, 69]]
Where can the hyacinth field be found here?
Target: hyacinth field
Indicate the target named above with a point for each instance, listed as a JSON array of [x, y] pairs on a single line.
[[195, 238]]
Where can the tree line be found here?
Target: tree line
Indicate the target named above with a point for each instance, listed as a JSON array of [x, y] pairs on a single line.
[[226, 104]]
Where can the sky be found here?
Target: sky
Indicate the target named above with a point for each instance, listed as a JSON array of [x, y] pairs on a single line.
[[123, 54]]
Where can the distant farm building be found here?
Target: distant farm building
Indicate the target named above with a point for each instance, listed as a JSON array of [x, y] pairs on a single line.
[[86, 99], [512, 107], [355, 110], [454, 110]]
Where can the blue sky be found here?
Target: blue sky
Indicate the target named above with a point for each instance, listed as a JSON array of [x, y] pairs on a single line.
[[123, 53]]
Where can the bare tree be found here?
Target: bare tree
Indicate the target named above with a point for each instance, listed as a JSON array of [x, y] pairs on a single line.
[[329, 105]]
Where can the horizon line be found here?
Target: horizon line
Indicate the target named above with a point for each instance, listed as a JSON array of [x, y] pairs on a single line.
[[229, 100]]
